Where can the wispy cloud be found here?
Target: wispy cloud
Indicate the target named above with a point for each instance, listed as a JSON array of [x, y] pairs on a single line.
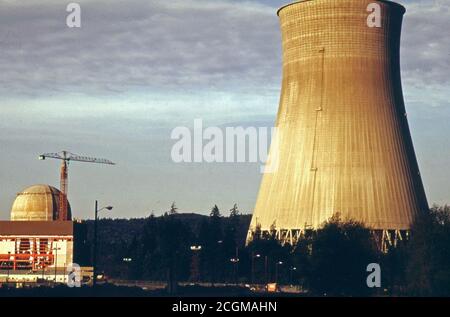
[[180, 46], [137, 45], [425, 54]]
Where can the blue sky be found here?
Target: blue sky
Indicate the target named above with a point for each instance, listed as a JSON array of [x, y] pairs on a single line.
[[136, 69]]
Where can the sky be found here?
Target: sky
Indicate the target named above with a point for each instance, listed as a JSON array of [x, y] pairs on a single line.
[[117, 86]]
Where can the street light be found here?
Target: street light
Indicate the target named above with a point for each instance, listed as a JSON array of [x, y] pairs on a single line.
[[254, 256], [127, 261], [235, 262], [266, 268], [195, 270], [276, 270], [292, 273], [9, 261], [95, 239]]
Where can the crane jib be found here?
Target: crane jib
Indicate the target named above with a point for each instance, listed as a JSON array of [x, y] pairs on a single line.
[[66, 157]]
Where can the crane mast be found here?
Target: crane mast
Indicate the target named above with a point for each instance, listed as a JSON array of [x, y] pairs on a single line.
[[63, 204], [66, 157]]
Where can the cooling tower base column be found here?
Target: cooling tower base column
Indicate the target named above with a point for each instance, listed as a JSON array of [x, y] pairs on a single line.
[[384, 239], [387, 239]]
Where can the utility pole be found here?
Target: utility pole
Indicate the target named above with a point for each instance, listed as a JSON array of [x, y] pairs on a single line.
[[9, 259], [266, 273], [56, 259], [94, 264]]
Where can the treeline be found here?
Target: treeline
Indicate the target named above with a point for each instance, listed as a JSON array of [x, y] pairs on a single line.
[[329, 261]]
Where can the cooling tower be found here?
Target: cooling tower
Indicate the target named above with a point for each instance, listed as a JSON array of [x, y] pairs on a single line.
[[344, 144]]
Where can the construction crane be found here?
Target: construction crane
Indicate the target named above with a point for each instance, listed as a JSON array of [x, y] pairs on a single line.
[[66, 157]]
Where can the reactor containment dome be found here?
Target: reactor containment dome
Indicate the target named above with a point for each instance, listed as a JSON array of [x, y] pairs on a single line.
[[37, 203]]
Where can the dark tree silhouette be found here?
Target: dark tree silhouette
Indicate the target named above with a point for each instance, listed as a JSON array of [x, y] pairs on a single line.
[[331, 260], [340, 253], [429, 254], [173, 209], [234, 212]]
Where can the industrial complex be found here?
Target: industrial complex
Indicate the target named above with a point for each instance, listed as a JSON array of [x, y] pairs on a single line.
[[34, 244], [343, 149], [37, 243]]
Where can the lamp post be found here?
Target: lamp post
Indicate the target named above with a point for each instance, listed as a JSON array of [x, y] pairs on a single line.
[[292, 274], [195, 271], [266, 271], [276, 270], [56, 258], [235, 262], [94, 264], [254, 256], [128, 262], [9, 261]]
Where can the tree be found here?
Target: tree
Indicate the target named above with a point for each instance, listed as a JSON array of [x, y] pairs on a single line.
[[301, 259], [228, 247], [340, 253], [134, 268], [267, 267], [234, 212], [173, 209], [428, 267], [211, 239], [215, 212], [174, 237]]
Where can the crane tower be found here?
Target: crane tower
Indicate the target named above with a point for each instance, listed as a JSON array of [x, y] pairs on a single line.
[[66, 157]]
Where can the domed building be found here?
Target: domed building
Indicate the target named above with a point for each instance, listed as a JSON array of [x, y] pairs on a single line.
[[34, 243], [37, 203]]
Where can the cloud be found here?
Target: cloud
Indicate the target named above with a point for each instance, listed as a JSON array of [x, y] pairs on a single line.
[[181, 46], [425, 43], [135, 45]]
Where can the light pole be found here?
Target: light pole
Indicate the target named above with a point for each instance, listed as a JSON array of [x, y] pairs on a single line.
[[276, 270], [9, 261], [253, 265], [266, 271], [128, 262], [195, 271], [292, 273], [56, 258], [94, 264], [235, 262]]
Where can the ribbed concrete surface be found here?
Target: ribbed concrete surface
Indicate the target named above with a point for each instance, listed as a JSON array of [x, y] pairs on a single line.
[[345, 144]]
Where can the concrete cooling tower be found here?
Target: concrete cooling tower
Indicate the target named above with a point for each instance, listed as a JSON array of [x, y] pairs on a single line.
[[344, 144]]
